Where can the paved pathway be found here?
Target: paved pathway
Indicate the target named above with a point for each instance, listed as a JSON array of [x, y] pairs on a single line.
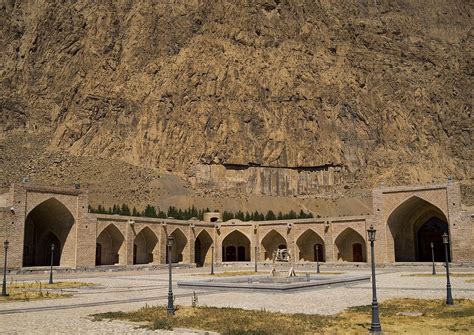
[[127, 291]]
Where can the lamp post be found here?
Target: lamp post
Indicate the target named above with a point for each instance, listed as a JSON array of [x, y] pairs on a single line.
[[4, 284], [317, 258], [449, 297], [212, 259], [432, 258], [375, 327], [51, 268], [256, 260], [170, 308]]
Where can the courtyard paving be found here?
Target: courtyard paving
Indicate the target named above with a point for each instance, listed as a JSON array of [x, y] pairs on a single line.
[[127, 291]]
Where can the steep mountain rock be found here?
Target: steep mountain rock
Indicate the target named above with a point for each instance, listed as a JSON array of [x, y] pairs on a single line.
[[350, 93]]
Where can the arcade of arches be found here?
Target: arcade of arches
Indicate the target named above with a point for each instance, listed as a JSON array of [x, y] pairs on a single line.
[[408, 221]]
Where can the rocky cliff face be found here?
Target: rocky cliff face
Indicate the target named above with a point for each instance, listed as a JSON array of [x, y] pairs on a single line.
[[380, 90]]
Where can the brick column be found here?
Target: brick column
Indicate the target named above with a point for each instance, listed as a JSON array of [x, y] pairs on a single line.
[[15, 227], [217, 247], [460, 226], [191, 240], [129, 241], [86, 227], [157, 252], [329, 242], [162, 243]]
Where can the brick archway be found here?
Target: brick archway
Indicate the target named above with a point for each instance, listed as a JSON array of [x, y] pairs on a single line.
[[307, 243], [110, 244], [144, 246], [273, 241], [350, 246], [412, 226], [49, 222], [236, 247]]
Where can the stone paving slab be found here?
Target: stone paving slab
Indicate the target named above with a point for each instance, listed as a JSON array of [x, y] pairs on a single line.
[[130, 291]]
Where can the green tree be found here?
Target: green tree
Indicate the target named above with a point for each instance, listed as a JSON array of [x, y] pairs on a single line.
[[226, 216], [248, 217], [292, 215], [150, 211], [270, 215], [125, 210], [135, 212]]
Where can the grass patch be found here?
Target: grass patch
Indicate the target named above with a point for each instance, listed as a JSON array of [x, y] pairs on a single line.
[[455, 274], [433, 316], [38, 290]]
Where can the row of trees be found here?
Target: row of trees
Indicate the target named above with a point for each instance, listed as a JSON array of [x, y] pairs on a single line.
[[186, 214], [270, 215]]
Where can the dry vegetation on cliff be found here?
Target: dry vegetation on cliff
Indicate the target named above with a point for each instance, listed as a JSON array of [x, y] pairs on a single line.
[[107, 91]]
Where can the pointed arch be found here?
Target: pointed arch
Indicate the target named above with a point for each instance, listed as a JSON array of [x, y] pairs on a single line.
[[236, 247], [110, 244], [202, 246], [309, 243], [180, 243], [144, 245], [273, 241], [350, 246], [412, 226], [47, 223]]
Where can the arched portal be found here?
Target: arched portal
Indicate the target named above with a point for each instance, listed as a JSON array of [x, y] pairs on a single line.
[[177, 250], [271, 242], [350, 246], [48, 223], [144, 245], [202, 245], [431, 232], [308, 243], [111, 247], [236, 247], [412, 227]]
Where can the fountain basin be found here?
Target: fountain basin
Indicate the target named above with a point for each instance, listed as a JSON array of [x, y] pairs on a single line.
[[270, 283]]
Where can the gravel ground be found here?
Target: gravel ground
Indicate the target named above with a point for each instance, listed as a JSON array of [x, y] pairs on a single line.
[[127, 291]]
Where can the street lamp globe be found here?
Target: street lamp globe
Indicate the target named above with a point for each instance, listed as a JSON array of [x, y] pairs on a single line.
[[170, 241], [5, 244], [445, 238], [371, 233]]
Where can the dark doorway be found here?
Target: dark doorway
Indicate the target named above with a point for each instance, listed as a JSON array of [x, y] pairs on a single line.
[[282, 246], [230, 255], [320, 251], [135, 254], [50, 240], [432, 231], [241, 254], [357, 252], [98, 254], [197, 252]]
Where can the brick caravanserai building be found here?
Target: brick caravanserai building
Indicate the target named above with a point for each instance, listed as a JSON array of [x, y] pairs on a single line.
[[407, 220]]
